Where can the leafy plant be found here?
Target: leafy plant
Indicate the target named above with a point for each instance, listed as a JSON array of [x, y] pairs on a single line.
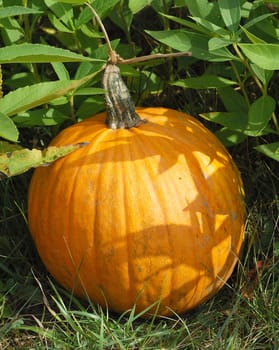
[[238, 40]]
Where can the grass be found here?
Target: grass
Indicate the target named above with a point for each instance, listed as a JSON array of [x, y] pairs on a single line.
[[35, 313]]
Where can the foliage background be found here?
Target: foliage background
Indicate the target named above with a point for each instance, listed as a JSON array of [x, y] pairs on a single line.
[[52, 54]]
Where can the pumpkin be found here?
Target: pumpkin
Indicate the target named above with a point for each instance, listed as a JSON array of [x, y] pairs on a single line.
[[151, 216]]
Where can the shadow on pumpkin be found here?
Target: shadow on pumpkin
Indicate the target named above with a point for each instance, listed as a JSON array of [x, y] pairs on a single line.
[[179, 264], [167, 134], [125, 274]]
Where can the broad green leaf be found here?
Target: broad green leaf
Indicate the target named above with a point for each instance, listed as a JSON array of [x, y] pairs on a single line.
[[231, 120], [206, 81], [259, 114], [35, 95], [183, 40], [19, 161], [211, 27], [256, 20], [16, 11], [40, 117], [265, 56], [60, 26], [263, 74], [123, 18], [38, 53], [90, 106], [233, 100], [253, 38], [63, 12], [218, 43], [8, 130], [270, 149], [200, 8], [230, 137], [137, 5], [11, 30], [103, 8], [230, 12]]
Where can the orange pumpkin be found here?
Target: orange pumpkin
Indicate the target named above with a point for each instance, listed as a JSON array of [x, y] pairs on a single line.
[[140, 215], [150, 214]]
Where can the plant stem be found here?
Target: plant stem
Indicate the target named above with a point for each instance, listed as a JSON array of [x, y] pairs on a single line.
[[241, 84], [112, 53], [116, 59]]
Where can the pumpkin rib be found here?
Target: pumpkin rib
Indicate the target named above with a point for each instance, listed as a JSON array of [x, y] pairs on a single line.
[[132, 210], [151, 174], [101, 160]]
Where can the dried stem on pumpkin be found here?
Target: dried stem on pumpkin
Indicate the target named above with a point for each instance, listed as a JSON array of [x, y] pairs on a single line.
[[120, 107]]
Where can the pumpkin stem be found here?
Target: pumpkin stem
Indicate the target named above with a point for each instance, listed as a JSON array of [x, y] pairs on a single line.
[[120, 106]]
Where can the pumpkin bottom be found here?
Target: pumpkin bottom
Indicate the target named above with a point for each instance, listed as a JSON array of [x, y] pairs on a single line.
[[152, 284], [163, 290]]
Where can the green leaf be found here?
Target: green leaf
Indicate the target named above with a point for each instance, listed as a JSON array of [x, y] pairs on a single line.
[[63, 12], [233, 100], [211, 27], [8, 130], [17, 11], [185, 23], [231, 120], [183, 40], [270, 149], [40, 117], [256, 20], [60, 26], [265, 56], [230, 137], [259, 114], [123, 18], [263, 74], [206, 81], [253, 38], [38, 53], [230, 12], [60, 70], [200, 8], [103, 8], [19, 161], [137, 5], [35, 95], [217, 43]]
